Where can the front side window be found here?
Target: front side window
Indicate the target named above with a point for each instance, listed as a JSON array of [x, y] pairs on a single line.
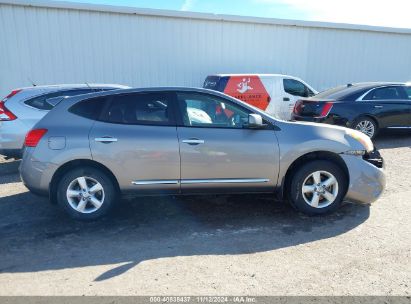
[[386, 93], [40, 102], [296, 88], [201, 110], [139, 108]]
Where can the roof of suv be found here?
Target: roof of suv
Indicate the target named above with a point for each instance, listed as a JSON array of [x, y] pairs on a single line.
[[72, 86]]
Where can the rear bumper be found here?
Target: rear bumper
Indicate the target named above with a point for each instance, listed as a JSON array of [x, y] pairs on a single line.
[[330, 119], [12, 134], [367, 181], [307, 118], [36, 176]]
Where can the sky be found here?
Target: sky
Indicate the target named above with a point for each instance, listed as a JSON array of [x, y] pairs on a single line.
[[393, 13]]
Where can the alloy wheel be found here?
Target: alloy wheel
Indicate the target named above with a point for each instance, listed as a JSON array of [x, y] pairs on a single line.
[[366, 127], [85, 194], [320, 189]]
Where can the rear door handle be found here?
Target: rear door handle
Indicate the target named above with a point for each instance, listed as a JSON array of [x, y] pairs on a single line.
[[286, 99], [105, 139], [193, 141], [378, 107]]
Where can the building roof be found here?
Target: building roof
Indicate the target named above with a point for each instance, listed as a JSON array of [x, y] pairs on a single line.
[[203, 16]]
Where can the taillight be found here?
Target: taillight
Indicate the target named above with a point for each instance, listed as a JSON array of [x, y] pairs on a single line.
[[33, 137], [5, 113], [14, 92], [326, 109], [298, 107]]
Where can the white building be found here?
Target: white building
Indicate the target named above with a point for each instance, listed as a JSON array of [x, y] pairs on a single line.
[[59, 42]]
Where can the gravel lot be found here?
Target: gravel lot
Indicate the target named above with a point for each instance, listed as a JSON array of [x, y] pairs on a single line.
[[231, 245]]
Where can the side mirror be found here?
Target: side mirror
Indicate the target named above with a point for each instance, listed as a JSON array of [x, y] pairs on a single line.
[[255, 121]]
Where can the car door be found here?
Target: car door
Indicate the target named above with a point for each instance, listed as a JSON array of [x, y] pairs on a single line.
[[218, 152], [292, 90], [136, 138], [390, 105]]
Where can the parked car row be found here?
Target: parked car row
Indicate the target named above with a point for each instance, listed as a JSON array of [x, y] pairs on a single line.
[[91, 149], [367, 107]]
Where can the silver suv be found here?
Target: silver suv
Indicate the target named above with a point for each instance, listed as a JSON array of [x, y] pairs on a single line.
[[167, 141]]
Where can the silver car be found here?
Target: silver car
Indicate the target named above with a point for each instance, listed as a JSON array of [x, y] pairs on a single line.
[[24, 107], [165, 141]]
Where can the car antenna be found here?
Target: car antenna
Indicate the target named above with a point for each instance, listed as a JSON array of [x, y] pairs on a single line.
[[89, 86], [32, 82]]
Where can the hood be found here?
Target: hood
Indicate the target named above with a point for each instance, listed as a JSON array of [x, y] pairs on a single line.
[[335, 138]]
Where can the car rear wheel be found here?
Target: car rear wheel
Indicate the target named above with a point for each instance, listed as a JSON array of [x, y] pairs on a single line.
[[86, 193], [366, 125], [318, 187]]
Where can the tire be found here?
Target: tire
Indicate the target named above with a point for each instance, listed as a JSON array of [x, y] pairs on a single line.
[[366, 125], [86, 205], [306, 202]]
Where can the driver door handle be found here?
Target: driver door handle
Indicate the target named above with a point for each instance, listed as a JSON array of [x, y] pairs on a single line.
[[105, 139], [378, 107], [193, 141], [286, 99]]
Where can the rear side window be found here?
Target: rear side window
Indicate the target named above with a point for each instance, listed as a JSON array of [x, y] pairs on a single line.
[[40, 102], [140, 109], [90, 108], [386, 93], [296, 88]]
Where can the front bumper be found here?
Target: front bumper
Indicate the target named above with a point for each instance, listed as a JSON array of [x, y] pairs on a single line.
[[367, 180]]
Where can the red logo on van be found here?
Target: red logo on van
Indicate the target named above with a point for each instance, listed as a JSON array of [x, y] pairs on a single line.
[[249, 89]]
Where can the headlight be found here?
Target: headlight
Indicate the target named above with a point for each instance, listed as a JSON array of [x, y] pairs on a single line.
[[361, 138]]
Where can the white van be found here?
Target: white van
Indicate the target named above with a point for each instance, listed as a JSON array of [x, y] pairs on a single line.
[[274, 93]]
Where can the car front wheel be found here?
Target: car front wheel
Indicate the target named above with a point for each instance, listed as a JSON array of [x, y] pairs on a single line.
[[318, 187], [86, 193]]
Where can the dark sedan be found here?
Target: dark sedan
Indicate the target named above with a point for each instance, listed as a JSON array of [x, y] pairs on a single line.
[[367, 107]]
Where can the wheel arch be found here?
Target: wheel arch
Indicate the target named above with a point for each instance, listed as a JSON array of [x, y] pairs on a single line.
[[311, 156], [370, 116], [74, 164]]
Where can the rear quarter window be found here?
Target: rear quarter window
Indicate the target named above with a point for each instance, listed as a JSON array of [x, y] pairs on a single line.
[[90, 108], [40, 102]]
